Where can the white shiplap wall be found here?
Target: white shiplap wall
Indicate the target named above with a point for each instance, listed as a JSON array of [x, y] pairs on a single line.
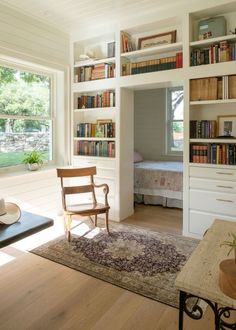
[[149, 123], [25, 39], [22, 35]]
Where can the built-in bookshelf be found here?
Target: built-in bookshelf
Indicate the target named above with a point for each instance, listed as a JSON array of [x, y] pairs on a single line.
[[211, 149], [94, 59], [107, 69], [212, 102], [94, 121], [146, 50], [217, 50], [212, 38]]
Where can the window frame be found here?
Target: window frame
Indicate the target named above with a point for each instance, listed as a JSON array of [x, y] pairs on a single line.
[[34, 69], [170, 120]]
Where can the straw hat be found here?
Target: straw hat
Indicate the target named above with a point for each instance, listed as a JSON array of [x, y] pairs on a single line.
[[9, 212]]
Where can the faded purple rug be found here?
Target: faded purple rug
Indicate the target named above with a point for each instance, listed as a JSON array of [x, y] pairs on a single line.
[[133, 258]]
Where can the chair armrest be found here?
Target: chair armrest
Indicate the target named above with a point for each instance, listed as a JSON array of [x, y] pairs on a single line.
[[105, 190]]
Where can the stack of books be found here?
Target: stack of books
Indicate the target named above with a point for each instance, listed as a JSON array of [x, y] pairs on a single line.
[[126, 42], [203, 89], [203, 129], [103, 130], [213, 153], [96, 148], [216, 53], [166, 63], [104, 99]]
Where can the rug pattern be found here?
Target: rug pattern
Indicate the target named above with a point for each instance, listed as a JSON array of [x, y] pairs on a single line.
[[135, 259]]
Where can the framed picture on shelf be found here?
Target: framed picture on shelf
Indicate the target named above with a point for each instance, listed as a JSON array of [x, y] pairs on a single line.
[[227, 126], [100, 127], [157, 40]]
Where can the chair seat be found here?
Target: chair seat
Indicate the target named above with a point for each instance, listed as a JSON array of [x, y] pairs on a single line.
[[71, 187], [86, 209]]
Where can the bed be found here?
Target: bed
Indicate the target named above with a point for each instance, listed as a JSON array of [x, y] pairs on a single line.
[[159, 183]]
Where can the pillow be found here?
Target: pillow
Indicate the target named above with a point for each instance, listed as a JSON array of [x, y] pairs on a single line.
[[137, 157]]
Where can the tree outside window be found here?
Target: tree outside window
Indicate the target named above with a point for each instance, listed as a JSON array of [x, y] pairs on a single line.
[[175, 127], [25, 115]]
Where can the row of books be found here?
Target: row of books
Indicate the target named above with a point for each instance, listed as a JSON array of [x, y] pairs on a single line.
[[94, 72], [104, 99], [213, 153], [96, 148], [166, 63], [214, 88], [216, 53], [203, 129], [103, 130]]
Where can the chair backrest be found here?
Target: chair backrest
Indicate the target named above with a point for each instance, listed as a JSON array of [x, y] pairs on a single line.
[[76, 172], [63, 173]]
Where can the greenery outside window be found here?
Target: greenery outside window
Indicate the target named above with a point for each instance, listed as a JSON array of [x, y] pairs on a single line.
[[25, 115], [175, 120]]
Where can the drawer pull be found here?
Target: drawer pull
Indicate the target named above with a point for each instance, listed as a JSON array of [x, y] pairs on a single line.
[[224, 200], [228, 187], [224, 173]]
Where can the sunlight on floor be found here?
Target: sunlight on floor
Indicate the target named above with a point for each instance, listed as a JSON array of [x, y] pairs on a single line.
[[41, 237], [5, 258], [78, 228]]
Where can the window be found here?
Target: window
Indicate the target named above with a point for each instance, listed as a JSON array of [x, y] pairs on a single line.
[[175, 124], [25, 115]]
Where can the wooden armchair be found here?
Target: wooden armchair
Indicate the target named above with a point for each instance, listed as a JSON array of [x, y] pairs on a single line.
[[88, 209]]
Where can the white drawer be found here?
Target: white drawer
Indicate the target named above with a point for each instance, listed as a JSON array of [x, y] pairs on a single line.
[[215, 202], [199, 222], [89, 161], [213, 185], [213, 173]]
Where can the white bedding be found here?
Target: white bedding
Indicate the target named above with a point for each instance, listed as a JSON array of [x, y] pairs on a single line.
[[159, 182]]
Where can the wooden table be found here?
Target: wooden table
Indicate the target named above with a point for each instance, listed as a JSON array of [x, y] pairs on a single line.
[[199, 277], [28, 224]]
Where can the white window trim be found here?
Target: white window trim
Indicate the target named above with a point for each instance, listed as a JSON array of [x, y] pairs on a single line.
[[35, 69]]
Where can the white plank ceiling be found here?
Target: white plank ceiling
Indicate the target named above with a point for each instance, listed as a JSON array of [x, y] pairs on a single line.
[[70, 15]]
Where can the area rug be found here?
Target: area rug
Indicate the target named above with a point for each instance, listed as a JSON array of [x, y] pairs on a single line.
[[136, 259]]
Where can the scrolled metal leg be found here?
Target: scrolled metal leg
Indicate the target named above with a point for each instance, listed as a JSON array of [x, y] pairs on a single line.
[[194, 310], [225, 312]]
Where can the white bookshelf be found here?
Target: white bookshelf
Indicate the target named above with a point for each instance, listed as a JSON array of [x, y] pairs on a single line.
[[185, 24]]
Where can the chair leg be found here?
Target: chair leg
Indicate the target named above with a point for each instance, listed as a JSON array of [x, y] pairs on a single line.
[[107, 226], [95, 220], [67, 224]]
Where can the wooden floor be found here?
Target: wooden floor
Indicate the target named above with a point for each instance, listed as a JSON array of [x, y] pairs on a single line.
[[39, 294]]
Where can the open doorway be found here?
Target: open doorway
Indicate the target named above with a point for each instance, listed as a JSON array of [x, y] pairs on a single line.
[[158, 170]]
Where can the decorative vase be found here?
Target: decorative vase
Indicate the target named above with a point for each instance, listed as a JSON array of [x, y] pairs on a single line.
[[33, 167], [227, 277]]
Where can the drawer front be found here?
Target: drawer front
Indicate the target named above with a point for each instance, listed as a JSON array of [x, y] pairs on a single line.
[[100, 163], [215, 202], [105, 169], [213, 185], [213, 173], [199, 222]]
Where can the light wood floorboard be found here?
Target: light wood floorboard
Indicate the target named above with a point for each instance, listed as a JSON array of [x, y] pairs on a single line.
[[39, 294]]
